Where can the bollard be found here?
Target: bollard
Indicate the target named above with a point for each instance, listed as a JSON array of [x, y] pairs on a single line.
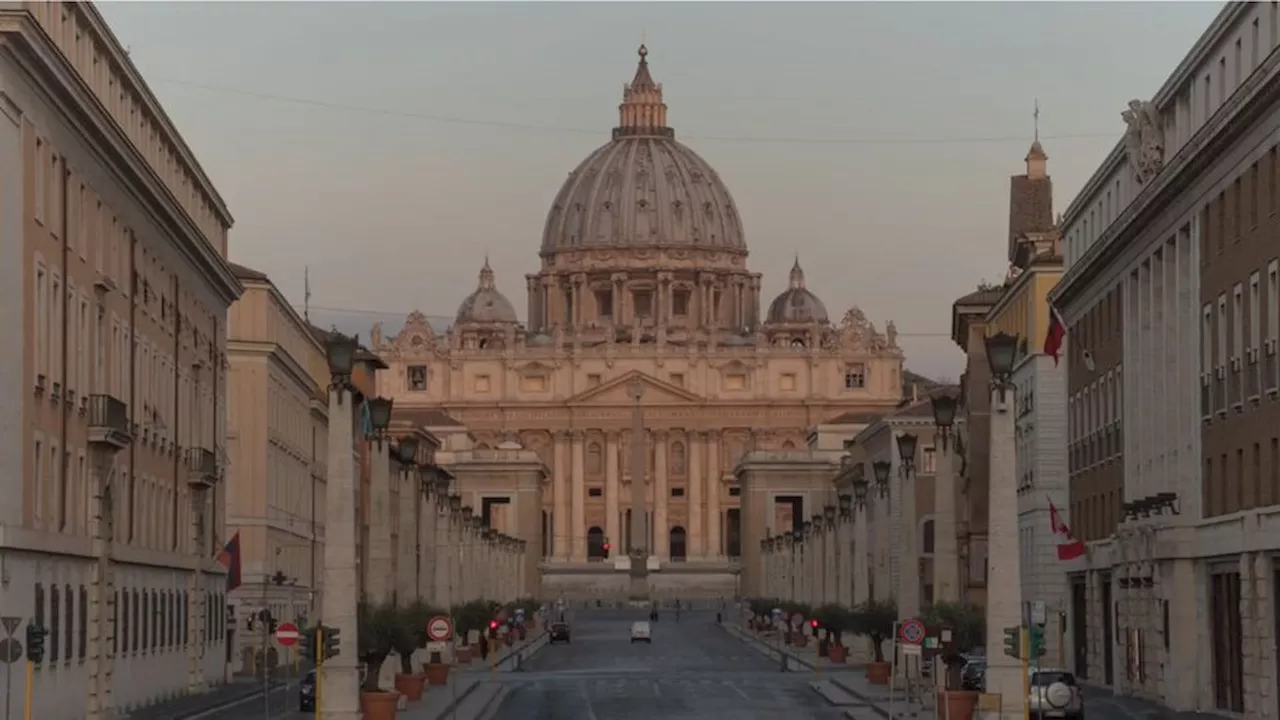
[[717, 618]]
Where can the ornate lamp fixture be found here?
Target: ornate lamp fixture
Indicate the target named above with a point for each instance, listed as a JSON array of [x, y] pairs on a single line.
[[1002, 350], [846, 506], [881, 469], [340, 351], [407, 449], [907, 443], [944, 416]]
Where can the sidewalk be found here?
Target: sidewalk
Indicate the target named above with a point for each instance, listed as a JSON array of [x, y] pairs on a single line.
[[508, 658], [241, 689]]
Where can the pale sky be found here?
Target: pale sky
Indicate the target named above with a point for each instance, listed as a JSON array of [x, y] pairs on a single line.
[[389, 146]]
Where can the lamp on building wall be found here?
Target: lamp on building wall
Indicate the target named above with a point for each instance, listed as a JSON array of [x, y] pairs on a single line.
[[846, 506], [442, 489], [1002, 351], [829, 514], [340, 351], [455, 502], [806, 530], [944, 416], [765, 544], [407, 449], [881, 469], [860, 489], [907, 443]]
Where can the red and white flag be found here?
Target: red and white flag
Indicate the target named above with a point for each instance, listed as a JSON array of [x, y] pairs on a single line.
[[1056, 334], [1069, 548]]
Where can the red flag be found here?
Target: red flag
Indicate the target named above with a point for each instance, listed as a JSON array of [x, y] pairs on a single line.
[[229, 557], [1069, 548], [1057, 332]]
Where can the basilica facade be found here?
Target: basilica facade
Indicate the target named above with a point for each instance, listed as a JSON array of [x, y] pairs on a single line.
[[643, 281]]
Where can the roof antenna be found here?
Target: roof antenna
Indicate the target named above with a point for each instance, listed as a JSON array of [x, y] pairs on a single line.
[[1035, 120], [306, 293]]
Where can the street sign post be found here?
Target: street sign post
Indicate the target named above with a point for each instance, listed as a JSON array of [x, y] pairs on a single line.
[[287, 634], [439, 628]]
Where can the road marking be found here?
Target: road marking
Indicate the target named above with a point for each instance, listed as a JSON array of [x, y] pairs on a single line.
[[739, 691], [586, 698], [656, 689]]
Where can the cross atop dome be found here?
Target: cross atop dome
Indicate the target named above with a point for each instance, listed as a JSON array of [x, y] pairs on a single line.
[[797, 275], [642, 111], [487, 281]]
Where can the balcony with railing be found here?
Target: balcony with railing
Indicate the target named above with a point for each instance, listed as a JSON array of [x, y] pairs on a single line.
[[202, 468], [109, 423]]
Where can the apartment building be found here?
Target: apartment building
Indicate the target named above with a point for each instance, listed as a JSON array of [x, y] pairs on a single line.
[[278, 449], [1169, 301], [117, 284]]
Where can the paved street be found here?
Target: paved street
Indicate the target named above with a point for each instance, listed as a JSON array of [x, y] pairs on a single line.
[[693, 669]]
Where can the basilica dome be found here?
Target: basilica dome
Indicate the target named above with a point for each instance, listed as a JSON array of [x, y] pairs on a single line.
[[643, 188], [486, 305], [796, 304]]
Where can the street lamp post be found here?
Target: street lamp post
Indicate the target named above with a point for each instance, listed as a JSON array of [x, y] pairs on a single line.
[[379, 567], [844, 552], [339, 676], [1004, 574], [909, 530], [409, 515], [946, 557], [880, 470]]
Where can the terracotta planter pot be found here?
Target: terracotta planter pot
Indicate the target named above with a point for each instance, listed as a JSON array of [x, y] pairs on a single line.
[[475, 650], [437, 673], [463, 655], [957, 704], [531, 622], [838, 654], [411, 686], [878, 673], [379, 705], [800, 639]]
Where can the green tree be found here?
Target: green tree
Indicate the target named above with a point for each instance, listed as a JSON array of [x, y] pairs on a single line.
[[968, 625], [875, 619], [833, 618], [380, 631], [415, 617]]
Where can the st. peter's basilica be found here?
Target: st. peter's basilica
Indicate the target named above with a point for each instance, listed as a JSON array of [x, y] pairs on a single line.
[[643, 275]]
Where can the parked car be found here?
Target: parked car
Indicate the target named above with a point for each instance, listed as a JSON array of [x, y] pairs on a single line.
[[1055, 694], [559, 632], [307, 689], [973, 676], [641, 632]]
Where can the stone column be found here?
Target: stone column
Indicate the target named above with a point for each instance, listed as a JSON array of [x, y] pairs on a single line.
[[611, 489], [427, 541], [102, 627], [909, 528], [845, 561], [1004, 583], [339, 676], [380, 576], [440, 552], [946, 553], [694, 543], [579, 494], [561, 539], [409, 502], [715, 541], [861, 571], [661, 495]]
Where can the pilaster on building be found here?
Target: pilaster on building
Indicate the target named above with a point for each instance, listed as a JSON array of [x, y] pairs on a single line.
[[1172, 300]]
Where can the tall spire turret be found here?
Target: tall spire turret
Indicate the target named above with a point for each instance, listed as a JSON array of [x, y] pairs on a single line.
[[487, 281], [642, 111], [797, 275], [1037, 160]]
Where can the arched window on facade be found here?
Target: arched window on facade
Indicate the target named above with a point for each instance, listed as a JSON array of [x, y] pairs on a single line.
[[595, 543], [595, 464], [926, 536], [677, 544]]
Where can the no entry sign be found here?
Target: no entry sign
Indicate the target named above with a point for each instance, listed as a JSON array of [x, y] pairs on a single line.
[[287, 634], [911, 632], [439, 628]]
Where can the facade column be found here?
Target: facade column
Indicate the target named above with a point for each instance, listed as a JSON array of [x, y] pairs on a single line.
[[909, 529], [612, 515], [1004, 598], [861, 572], [693, 534], [561, 539], [579, 495], [408, 501], [102, 627], [340, 676], [715, 541], [661, 525], [440, 553], [946, 553]]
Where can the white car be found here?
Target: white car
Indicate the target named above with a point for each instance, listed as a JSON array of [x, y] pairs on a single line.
[[641, 632]]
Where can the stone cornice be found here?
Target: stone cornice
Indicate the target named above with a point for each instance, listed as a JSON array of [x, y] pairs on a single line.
[[277, 355], [33, 50]]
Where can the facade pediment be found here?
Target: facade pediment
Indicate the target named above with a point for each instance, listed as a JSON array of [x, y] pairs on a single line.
[[618, 392]]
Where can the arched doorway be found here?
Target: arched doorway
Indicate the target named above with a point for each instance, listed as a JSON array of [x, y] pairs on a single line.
[[595, 543], [677, 544]]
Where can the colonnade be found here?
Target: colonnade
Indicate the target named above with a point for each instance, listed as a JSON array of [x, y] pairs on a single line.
[[696, 469]]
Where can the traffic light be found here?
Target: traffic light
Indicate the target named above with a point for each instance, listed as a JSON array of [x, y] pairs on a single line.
[[1037, 641], [1013, 642], [331, 642], [813, 626], [306, 643], [35, 642]]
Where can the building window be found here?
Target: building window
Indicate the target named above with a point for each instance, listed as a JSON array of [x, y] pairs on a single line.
[[735, 381], [418, 378], [788, 381], [643, 300], [39, 601], [55, 622], [677, 492], [929, 460], [926, 537], [70, 647], [595, 463], [480, 384], [604, 303], [593, 379], [84, 623], [855, 377], [676, 379], [735, 491], [680, 303], [677, 458], [595, 492], [533, 383]]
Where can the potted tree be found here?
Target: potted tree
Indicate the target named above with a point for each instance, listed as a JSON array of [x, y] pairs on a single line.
[[797, 614], [875, 620], [461, 629], [967, 624], [761, 611], [379, 630], [835, 620], [412, 637]]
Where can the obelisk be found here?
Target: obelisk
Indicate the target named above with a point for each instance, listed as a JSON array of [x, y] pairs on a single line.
[[639, 550]]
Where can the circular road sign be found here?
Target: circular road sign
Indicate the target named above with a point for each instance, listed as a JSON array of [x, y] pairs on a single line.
[[287, 634], [439, 628], [911, 632]]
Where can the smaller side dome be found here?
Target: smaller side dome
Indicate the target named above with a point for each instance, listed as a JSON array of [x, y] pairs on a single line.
[[796, 305], [486, 305]]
